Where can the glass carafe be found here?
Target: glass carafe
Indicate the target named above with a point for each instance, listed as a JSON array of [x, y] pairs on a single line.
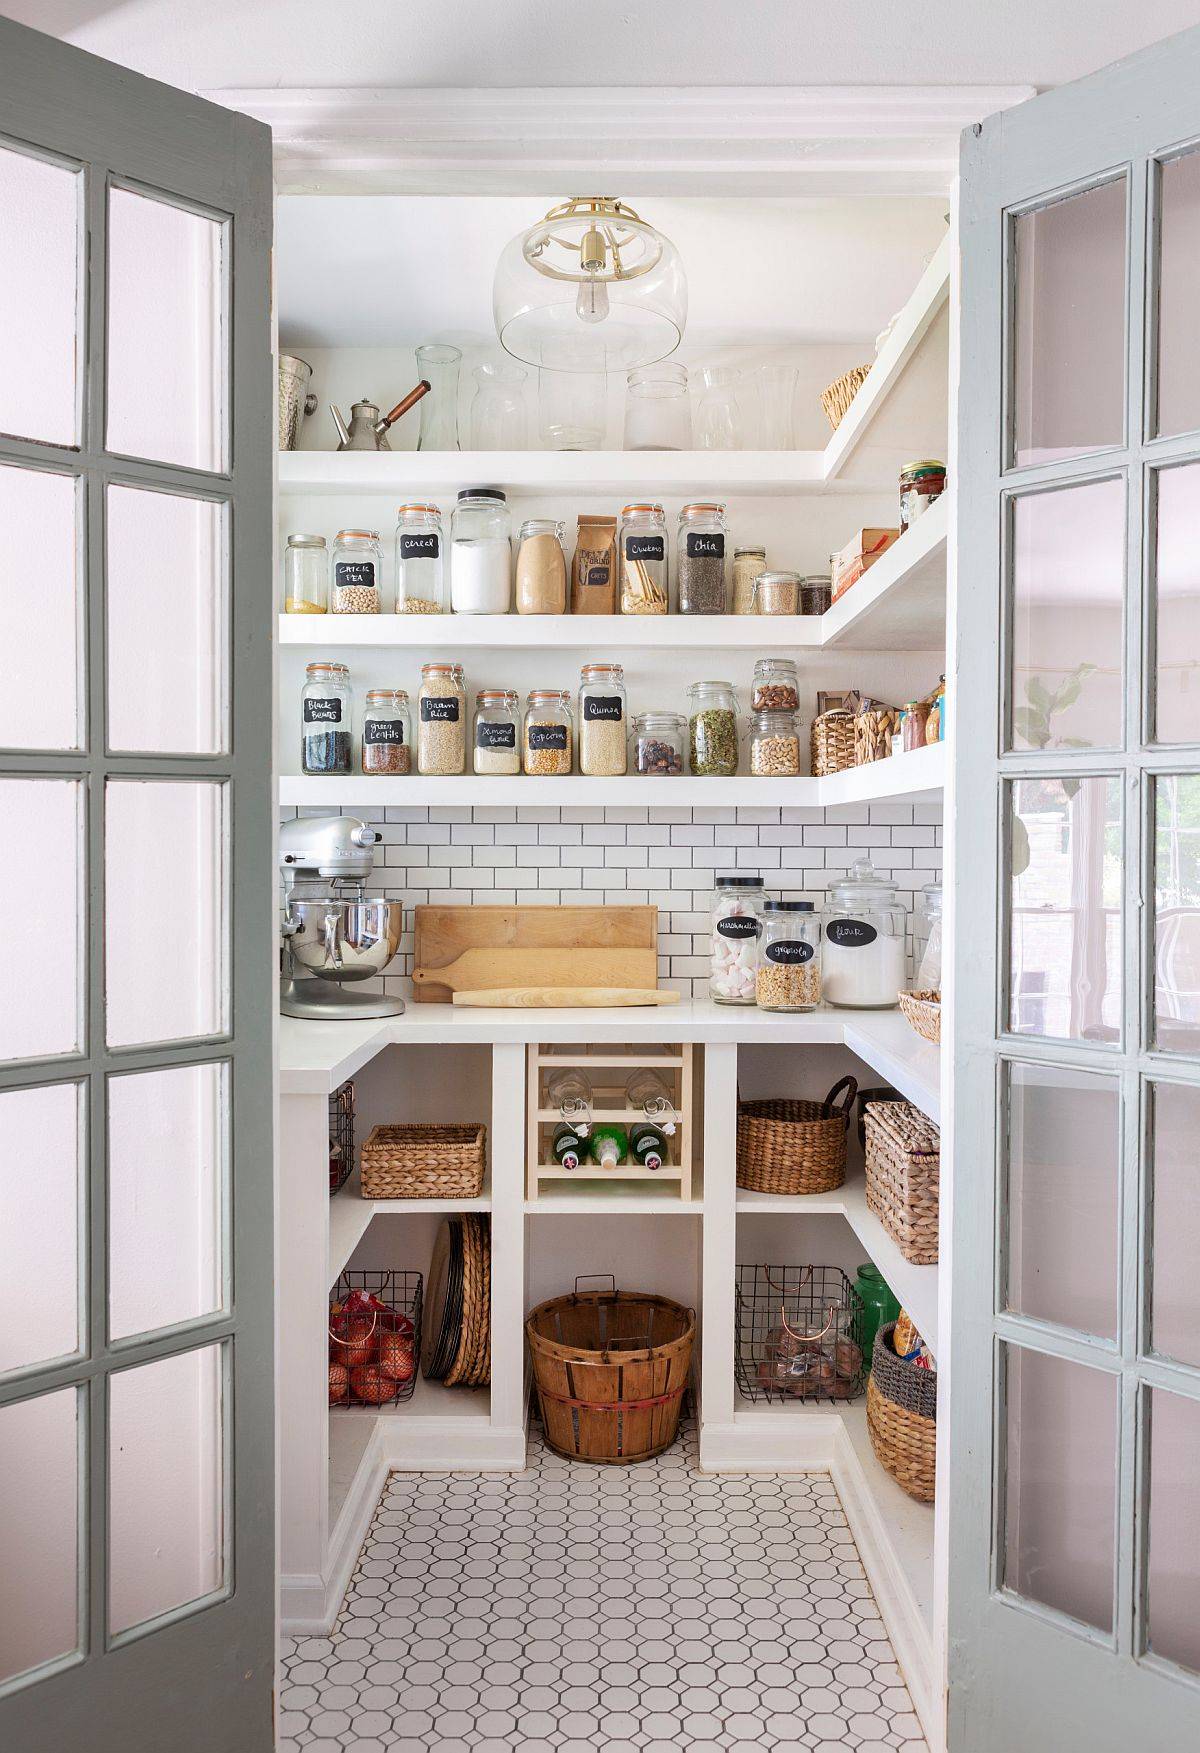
[[719, 414], [498, 420], [571, 1093], [439, 365], [776, 393], [646, 1090]]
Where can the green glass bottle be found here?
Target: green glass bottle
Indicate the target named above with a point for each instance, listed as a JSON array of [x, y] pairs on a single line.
[[648, 1144], [608, 1144], [879, 1306], [569, 1149]]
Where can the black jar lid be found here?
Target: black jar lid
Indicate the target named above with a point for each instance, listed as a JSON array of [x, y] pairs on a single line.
[[788, 907], [495, 493], [740, 882]]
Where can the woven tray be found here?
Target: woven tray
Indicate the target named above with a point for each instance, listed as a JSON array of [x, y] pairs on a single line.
[[902, 1417], [903, 1161], [423, 1162], [788, 1147], [922, 1011], [837, 398], [831, 743]]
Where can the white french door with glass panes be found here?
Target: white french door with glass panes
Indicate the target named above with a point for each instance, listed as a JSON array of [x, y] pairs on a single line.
[[136, 1423], [1074, 1610]]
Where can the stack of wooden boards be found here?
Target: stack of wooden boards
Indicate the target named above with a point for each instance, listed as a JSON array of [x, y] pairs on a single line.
[[537, 956]]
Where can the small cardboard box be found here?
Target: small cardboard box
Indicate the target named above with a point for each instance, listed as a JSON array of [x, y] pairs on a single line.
[[857, 555]]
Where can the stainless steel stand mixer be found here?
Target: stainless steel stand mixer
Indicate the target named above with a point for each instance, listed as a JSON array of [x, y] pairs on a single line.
[[334, 934]]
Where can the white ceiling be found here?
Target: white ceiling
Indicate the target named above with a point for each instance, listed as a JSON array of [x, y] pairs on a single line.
[[206, 44]]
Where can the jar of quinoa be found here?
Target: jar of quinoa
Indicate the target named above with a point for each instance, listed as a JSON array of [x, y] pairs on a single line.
[[603, 733]]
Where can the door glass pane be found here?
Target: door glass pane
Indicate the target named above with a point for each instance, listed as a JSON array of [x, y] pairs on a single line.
[[166, 332], [39, 1531], [1065, 934], [41, 900], [41, 1143], [166, 623], [1173, 1559], [166, 941], [166, 1535], [1177, 605], [1063, 1148], [1178, 276], [39, 229], [1060, 1446], [1177, 913], [167, 1148], [1068, 573], [1175, 1221], [1069, 346], [39, 610]]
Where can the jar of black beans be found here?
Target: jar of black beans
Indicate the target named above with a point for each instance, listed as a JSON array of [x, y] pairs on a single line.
[[325, 715]]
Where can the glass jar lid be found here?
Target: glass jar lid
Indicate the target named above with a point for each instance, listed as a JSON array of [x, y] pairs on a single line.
[[642, 509], [387, 697], [419, 510], [325, 668], [702, 508], [923, 466], [768, 665], [673, 721], [541, 526], [358, 535], [773, 718], [506, 697], [739, 882], [766, 578], [602, 672], [454, 670], [749, 553], [864, 887], [788, 907], [306, 541], [931, 895], [549, 696], [493, 494]]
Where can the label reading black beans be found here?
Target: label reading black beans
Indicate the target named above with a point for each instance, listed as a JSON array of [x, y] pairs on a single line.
[[323, 711], [422, 547], [354, 575], [789, 952], [700, 546], [383, 730], [644, 548], [739, 925], [850, 934], [602, 706], [547, 736], [495, 736], [439, 709]]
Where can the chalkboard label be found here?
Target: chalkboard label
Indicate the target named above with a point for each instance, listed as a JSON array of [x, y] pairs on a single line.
[[420, 547], [383, 730], [439, 709], [790, 952], [328, 711], [739, 925], [701, 546], [354, 574], [599, 576], [645, 548], [547, 736], [850, 934], [602, 706], [495, 736]]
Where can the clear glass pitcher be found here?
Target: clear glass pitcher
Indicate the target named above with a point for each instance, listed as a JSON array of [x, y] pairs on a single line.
[[439, 365], [498, 420]]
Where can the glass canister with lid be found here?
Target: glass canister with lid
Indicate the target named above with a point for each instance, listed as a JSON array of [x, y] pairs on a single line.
[[642, 560], [701, 563], [657, 743], [922, 483], [325, 714], [306, 576], [497, 738], [776, 686], [548, 740], [420, 562], [777, 593], [747, 564], [480, 553], [603, 734], [863, 955], [712, 729], [441, 719], [737, 915], [541, 570], [789, 957], [927, 939], [357, 570], [774, 745], [386, 732]]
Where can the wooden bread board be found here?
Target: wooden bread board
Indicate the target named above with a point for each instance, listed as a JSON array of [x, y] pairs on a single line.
[[482, 948], [564, 997]]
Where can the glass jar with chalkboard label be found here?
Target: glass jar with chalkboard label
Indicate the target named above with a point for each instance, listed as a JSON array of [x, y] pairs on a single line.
[[548, 741], [603, 734], [702, 560], [420, 561], [737, 913], [386, 732], [442, 719], [326, 703], [497, 739], [788, 976], [863, 957], [642, 562], [357, 572]]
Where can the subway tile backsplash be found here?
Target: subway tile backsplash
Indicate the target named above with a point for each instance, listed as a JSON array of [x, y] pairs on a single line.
[[662, 855]]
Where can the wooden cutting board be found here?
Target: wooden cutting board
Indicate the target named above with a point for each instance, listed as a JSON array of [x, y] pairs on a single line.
[[478, 949], [564, 997]]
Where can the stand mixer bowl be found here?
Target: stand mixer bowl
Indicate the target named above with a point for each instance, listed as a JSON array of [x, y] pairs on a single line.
[[343, 941]]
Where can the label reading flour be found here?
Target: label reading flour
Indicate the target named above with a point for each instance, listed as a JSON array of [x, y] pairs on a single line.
[[323, 711], [440, 709], [705, 547], [739, 925], [789, 953], [383, 730], [495, 736], [547, 736], [602, 706], [420, 547], [850, 934]]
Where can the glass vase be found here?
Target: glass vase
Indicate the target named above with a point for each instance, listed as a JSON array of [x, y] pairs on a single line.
[[439, 365]]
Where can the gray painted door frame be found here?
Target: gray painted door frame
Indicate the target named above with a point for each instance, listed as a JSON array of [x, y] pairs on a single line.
[[199, 1679], [1021, 1675]]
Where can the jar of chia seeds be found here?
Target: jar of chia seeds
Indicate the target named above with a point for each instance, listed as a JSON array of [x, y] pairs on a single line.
[[325, 712], [701, 561], [712, 729], [386, 732]]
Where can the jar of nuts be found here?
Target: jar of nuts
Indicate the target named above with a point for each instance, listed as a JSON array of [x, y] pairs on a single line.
[[712, 729], [357, 572], [602, 730], [548, 746], [774, 745], [442, 719], [776, 686], [657, 742], [789, 957]]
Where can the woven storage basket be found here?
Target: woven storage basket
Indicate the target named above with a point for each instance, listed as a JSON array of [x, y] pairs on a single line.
[[423, 1162], [837, 398], [902, 1417], [922, 1011], [794, 1147], [611, 1369], [831, 743], [903, 1160]]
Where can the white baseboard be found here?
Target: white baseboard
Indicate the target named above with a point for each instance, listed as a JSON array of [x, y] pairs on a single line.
[[769, 1444]]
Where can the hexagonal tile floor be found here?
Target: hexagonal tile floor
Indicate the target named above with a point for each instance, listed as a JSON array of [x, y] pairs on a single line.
[[582, 1608]]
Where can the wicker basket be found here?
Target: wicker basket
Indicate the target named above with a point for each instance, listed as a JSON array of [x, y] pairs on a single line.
[[787, 1147], [611, 1369], [423, 1162], [903, 1160], [902, 1417], [837, 398], [922, 1011], [831, 743]]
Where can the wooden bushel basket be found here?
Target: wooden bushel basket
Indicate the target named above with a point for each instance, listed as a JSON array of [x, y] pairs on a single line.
[[611, 1368]]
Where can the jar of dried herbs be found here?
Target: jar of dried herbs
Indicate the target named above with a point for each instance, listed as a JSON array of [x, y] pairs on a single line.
[[386, 733], [602, 730], [701, 564], [642, 560], [712, 729], [548, 743], [325, 709], [497, 740], [441, 719]]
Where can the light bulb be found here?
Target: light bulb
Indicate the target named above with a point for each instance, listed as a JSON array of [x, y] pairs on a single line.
[[591, 306]]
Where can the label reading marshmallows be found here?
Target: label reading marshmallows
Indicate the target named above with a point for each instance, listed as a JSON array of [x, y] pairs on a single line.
[[739, 925]]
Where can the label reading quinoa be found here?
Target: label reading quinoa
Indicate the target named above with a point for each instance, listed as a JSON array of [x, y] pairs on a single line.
[[602, 706], [739, 925], [700, 546], [789, 952], [439, 709], [850, 934], [420, 547], [383, 730], [547, 736], [323, 711], [354, 574], [495, 736], [644, 548]]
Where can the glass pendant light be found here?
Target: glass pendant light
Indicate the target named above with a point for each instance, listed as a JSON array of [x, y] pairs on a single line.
[[591, 287]]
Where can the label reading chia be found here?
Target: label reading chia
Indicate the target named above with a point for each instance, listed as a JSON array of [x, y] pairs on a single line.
[[704, 547], [439, 709], [495, 736], [328, 711], [351, 574], [606, 706], [383, 730], [739, 925], [644, 548], [547, 736], [790, 952], [850, 934], [422, 547]]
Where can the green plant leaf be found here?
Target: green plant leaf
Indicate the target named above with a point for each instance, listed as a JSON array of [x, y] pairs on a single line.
[[1036, 690], [1031, 725]]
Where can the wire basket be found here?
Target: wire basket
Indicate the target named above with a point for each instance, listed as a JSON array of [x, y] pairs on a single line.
[[799, 1334], [341, 1136], [373, 1356]]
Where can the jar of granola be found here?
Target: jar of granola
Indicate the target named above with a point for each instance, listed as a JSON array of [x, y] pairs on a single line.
[[441, 719], [602, 729], [789, 957], [548, 743], [774, 745], [497, 741]]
